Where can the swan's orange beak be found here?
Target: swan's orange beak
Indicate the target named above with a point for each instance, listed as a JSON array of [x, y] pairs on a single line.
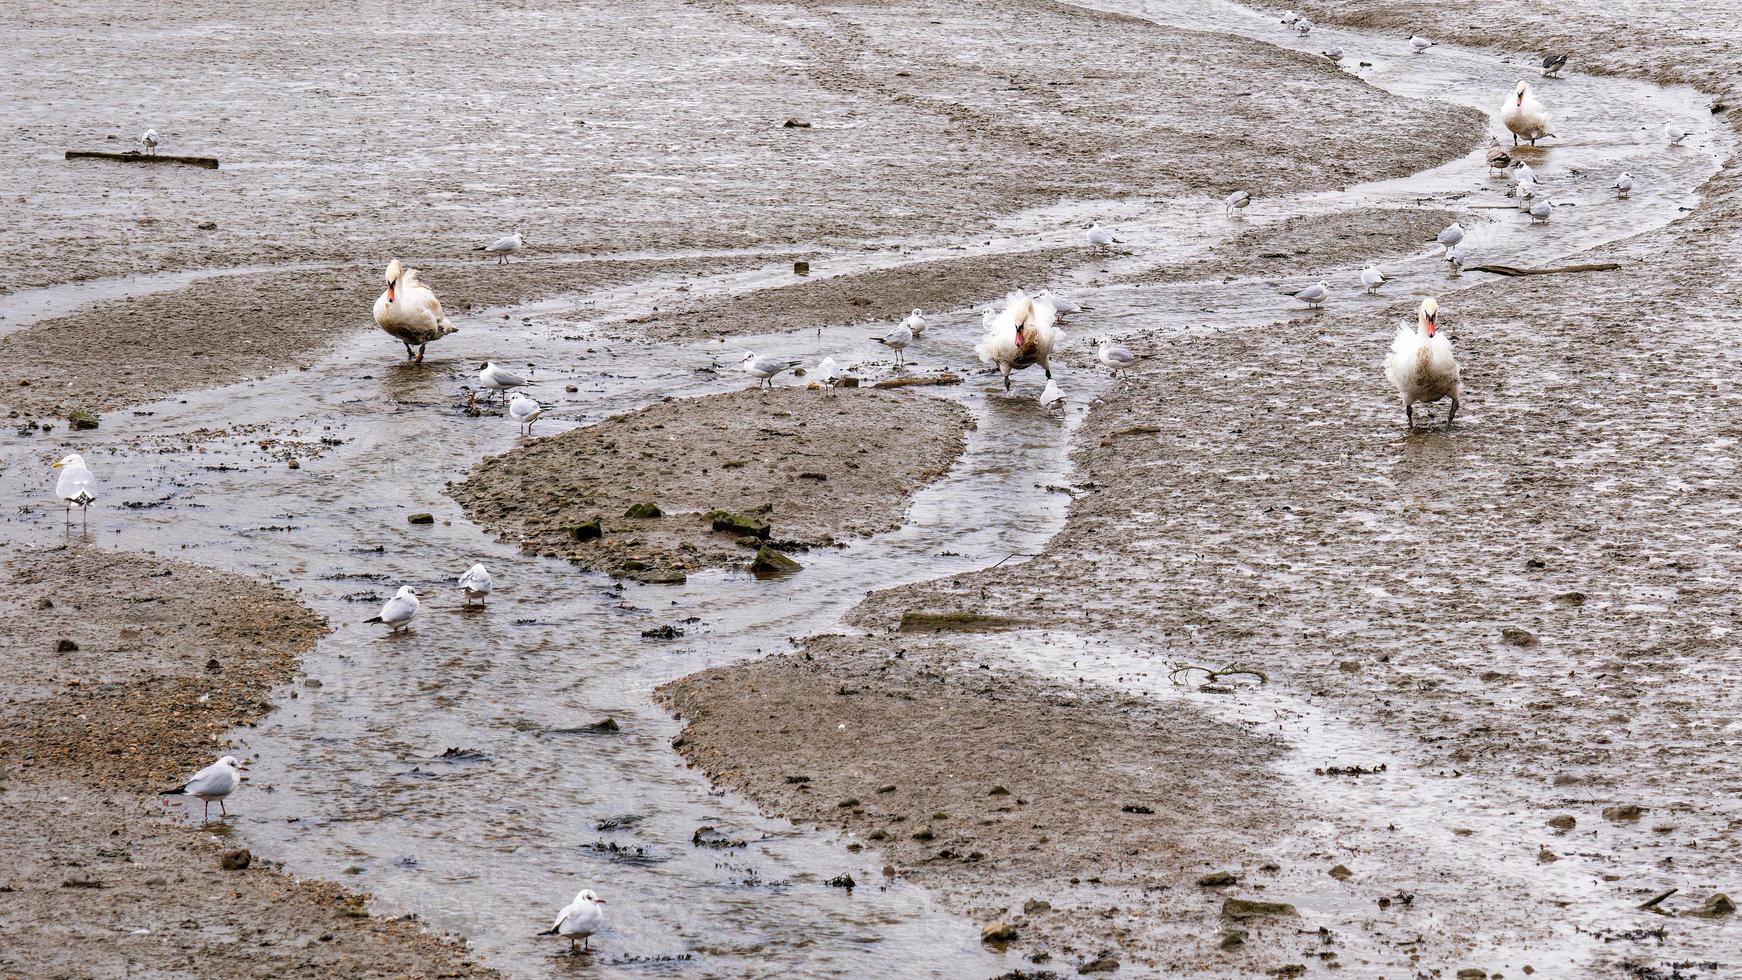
[[1521, 98], [389, 292], [1018, 342], [1430, 326]]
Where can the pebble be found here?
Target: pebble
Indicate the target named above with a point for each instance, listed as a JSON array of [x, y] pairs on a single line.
[[236, 859], [997, 931], [64, 645]]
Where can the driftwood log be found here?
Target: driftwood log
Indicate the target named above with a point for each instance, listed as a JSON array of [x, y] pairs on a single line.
[[909, 380], [134, 156], [1512, 270]]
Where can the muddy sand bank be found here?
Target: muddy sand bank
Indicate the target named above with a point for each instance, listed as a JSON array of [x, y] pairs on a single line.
[[728, 474], [127, 673]]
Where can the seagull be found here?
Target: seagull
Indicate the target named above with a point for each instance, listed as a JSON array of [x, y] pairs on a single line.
[[1051, 395], [1524, 115], [524, 411], [1623, 184], [1303, 27], [1419, 44], [504, 247], [765, 368], [397, 612], [148, 139], [1552, 64], [1112, 355], [1421, 366], [1497, 157], [1455, 259], [916, 322], [1063, 304], [580, 918], [1540, 210], [1236, 201], [1451, 235], [1100, 238], [827, 374], [477, 583], [499, 379], [1372, 278], [76, 486], [1314, 296], [214, 782], [1289, 17], [1333, 53], [897, 340], [1676, 133]]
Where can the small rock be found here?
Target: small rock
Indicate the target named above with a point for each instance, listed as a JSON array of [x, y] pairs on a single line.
[[1233, 938], [64, 645], [1034, 905], [1563, 822], [801, 267], [1718, 906], [741, 524], [1341, 873], [890, 788], [236, 859], [207, 226], [590, 531], [1350, 666], [312, 682], [796, 123], [1218, 879], [420, 518], [1100, 964], [644, 510], [78, 418], [666, 632], [1246, 908], [797, 780], [998, 791], [924, 833], [842, 881], [1546, 856], [571, 389], [848, 803], [602, 727], [710, 837], [997, 931], [1623, 812], [294, 464], [1472, 973], [1517, 637], [213, 665], [771, 562], [1135, 808]]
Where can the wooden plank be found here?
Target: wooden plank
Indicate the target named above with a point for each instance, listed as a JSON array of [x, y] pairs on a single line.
[[1509, 270], [908, 381], [134, 156]]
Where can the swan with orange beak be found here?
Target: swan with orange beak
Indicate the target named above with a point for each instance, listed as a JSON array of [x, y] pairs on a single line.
[[1021, 335], [409, 311], [1421, 366], [1525, 116]]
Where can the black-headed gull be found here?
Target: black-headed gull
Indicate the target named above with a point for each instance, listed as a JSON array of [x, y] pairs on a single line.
[[477, 583], [1112, 355], [76, 486], [1450, 235], [916, 322], [499, 379], [1676, 133], [579, 919], [897, 341], [148, 139], [214, 782], [1552, 64], [524, 411], [1236, 201], [1623, 185], [1372, 278], [1100, 239], [827, 374], [1314, 295], [763, 369], [397, 612], [504, 247], [1418, 44]]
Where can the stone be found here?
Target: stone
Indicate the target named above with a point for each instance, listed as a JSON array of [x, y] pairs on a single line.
[[64, 645], [1623, 812], [1233, 938], [657, 576], [1718, 906], [644, 510], [1341, 873], [1246, 908], [733, 523], [771, 562], [1472, 973], [842, 881], [795, 123], [914, 620], [236, 859], [1218, 879], [710, 837], [78, 418], [801, 267], [924, 833], [997, 931], [1563, 822], [1100, 964], [1034, 905], [420, 518], [1517, 637], [593, 530]]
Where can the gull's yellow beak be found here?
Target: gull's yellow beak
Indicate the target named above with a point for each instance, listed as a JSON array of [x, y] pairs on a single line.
[[56, 466]]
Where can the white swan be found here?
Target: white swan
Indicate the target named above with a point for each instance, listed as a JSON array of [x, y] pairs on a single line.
[[1524, 115], [1421, 366], [1021, 335], [409, 311]]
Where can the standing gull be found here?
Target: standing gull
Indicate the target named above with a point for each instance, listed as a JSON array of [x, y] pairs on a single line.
[[397, 612], [1421, 366], [1455, 259], [1063, 304], [214, 782], [916, 322], [1676, 133], [410, 312], [1418, 44], [499, 379], [1334, 53], [1303, 27], [148, 139], [897, 341], [1552, 65], [504, 247], [1289, 17], [524, 411], [1623, 184], [477, 583], [1051, 395], [1451, 235], [1497, 157], [1100, 239], [828, 375], [763, 369], [1372, 278], [580, 919], [1236, 201], [1313, 296], [1540, 211], [1113, 355], [76, 486], [1524, 115]]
